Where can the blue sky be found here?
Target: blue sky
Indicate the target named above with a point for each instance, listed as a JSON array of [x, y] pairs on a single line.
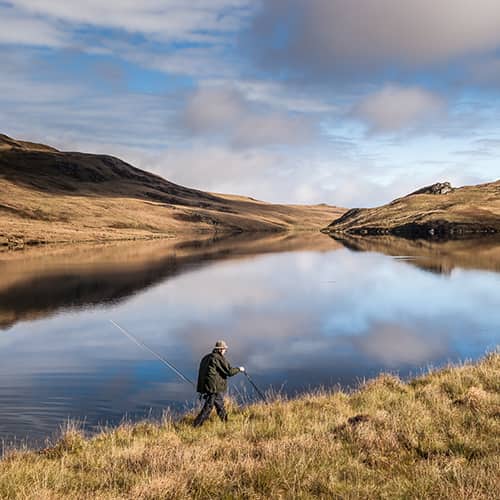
[[300, 101]]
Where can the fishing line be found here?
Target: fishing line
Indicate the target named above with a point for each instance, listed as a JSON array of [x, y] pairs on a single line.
[[155, 354], [259, 392]]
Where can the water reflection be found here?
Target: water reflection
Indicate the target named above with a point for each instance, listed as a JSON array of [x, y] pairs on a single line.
[[439, 257], [298, 311], [38, 283]]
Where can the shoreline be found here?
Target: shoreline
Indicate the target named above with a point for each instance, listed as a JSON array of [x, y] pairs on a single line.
[[19, 244], [435, 435]]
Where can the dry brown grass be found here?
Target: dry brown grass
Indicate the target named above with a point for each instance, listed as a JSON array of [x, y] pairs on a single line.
[[35, 217], [48, 196], [467, 209], [434, 437]]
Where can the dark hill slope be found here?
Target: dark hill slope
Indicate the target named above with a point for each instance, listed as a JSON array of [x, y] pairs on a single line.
[[55, 172]]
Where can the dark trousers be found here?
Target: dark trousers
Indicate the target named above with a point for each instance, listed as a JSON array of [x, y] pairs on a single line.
[[211, 399]]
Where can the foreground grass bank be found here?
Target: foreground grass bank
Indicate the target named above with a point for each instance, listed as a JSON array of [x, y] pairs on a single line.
[[436, 437]]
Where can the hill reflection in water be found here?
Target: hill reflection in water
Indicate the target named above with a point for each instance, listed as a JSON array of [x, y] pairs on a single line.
[[40, 282], [436, 256], [299, 311]]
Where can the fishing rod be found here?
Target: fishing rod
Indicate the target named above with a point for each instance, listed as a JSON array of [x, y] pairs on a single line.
[[155, 354], [170, 365], [257, 390]]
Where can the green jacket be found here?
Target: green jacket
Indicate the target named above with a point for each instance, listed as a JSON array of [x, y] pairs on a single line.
[[214, 370]]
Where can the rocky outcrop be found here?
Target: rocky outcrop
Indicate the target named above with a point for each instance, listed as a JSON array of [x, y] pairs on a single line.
[[437, 188]]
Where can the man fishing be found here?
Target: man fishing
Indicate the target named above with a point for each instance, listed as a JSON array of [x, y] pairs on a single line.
[[212, 382]]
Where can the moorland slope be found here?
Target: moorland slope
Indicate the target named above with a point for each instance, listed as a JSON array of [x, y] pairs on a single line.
[[49, 196], [436, 211]]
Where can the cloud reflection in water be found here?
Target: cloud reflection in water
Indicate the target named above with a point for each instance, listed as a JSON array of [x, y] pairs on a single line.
[[302, 319]]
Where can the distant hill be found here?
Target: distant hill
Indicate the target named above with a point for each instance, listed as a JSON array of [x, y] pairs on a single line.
[[431, 212], [51, 196]]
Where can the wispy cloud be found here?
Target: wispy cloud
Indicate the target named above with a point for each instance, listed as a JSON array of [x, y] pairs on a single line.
[[21, 29], [394, 108], [163, 19]]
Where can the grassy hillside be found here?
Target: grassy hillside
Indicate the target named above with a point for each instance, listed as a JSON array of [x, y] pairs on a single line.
[[427, 213], [437, 436], [52, 196]]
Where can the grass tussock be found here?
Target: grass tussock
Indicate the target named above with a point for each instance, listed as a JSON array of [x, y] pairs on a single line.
[[437, 436]]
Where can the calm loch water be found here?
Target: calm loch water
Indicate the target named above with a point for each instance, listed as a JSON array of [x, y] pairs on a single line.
[[299, 312]]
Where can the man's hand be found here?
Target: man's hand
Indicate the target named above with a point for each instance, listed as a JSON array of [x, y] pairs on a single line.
[[242, 368]]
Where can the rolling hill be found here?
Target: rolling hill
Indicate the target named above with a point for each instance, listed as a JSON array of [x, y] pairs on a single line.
[[49, 196], [436, 211]]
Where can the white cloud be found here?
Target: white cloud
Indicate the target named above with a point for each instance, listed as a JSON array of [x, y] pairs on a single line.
[[163, 19], [395, 107], [68, 116], [224, 111], [199, 62], [24, 30], [215, 168], [272, 128], [331, 36], [278, 95], [204, 26], [213, 109], [293, 177]]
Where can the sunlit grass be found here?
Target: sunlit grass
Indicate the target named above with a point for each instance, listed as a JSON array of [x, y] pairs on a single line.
[[435, 437]]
